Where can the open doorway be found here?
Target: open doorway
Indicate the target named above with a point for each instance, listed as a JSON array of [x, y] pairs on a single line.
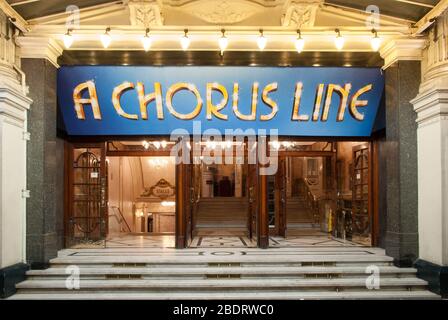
[[221, 213], [322, 195], [141, 206]]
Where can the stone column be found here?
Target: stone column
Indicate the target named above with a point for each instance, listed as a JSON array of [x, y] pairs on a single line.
[[402, 73], [431, 106], [14, 104], [45, 155]]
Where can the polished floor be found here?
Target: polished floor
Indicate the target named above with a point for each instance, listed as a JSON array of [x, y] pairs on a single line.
[[168, 241]]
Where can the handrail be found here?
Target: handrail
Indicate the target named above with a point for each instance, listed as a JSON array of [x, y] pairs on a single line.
[[311, 200], [122, 218]]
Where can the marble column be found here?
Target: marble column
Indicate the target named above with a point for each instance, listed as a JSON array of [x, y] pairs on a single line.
[[402, 73], [431, 106], [14, 104], [45, 155]]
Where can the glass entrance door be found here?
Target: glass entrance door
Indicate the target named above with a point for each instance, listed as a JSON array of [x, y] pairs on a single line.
[[86, 223], [361, 213]]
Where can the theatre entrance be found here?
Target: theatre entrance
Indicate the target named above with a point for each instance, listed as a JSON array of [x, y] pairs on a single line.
[[321, 193]]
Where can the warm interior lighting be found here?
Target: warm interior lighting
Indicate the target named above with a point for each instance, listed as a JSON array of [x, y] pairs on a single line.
[[276, 144], [163, 144], [375, 42], [168, 203], [106, 39], [185, 41], [223, 42], [300, 42], [145, 145], [146, 41], [339, 40], [261, 41], [156, 144], [68, 39]]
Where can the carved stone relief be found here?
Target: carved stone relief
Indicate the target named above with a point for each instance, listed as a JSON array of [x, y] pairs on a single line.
[[145, 13], [301, 13]]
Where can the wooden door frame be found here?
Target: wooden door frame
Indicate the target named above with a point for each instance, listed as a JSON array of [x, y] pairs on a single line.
[[69, 147], [280, 197], [373, 218]]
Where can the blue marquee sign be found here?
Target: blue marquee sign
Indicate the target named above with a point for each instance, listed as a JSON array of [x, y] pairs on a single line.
[[132, 100]]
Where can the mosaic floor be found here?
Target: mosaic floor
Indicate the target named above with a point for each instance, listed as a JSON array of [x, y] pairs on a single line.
[[168, 241], [222, 242], [305, 241]]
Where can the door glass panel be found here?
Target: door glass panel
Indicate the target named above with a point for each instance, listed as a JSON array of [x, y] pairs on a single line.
[[86, 223]]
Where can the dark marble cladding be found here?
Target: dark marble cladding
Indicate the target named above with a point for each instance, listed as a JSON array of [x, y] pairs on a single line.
[[437, 276], [9, 277], [45, 165], [402, 84]]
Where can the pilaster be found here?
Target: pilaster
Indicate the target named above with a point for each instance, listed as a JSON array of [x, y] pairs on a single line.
[[402, 72], [431, 107]]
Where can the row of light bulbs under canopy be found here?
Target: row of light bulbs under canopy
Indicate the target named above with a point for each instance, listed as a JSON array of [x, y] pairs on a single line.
[[223, 41], [210, 144]]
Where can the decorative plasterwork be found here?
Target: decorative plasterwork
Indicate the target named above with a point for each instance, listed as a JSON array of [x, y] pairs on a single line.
[[431, 105], [41, 48], [300, 13], [223, 12], [402, 49], [145, 13], [435, 62]]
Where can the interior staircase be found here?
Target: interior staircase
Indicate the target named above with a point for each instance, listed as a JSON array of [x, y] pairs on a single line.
[[299, 273], [221, 216]]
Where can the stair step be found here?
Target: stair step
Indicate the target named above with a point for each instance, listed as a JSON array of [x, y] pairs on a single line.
[[324, 295], [254, 271], [225, 284], [347, 258]]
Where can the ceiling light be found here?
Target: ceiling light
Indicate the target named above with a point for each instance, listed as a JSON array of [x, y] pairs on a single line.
[[375, 42], [156, 144], [339, 41], [276, 144], [185, 41], [146, 41], [106, 39], [261, 41], [300, 42], [68, 39], [223, 42], [164, 144]]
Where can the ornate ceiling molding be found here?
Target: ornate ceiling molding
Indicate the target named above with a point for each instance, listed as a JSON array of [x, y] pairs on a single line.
[[300, 13], [145, 13], [223, 12]]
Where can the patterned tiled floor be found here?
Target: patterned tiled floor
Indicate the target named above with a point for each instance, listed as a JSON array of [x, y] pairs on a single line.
[[168, 241], [304, 241], [223, 242]]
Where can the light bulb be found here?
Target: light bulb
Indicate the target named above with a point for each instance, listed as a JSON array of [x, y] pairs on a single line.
[[276, 144], [375, 42], [68, 39], [146, 41], [164, 144], [262, 41], [156, 144], [223, 42], [339, 41], [106, 39], [185, 41], [300, 42]]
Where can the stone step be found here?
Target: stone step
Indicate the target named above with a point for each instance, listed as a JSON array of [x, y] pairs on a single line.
[[239, 285], [262, 272], [265, 295], [349, 260]]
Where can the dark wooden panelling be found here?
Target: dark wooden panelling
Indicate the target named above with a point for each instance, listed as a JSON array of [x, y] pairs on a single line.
[[230, 58]]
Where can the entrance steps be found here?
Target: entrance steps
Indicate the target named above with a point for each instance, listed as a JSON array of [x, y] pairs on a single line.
[[221, 216], [242, 273]]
